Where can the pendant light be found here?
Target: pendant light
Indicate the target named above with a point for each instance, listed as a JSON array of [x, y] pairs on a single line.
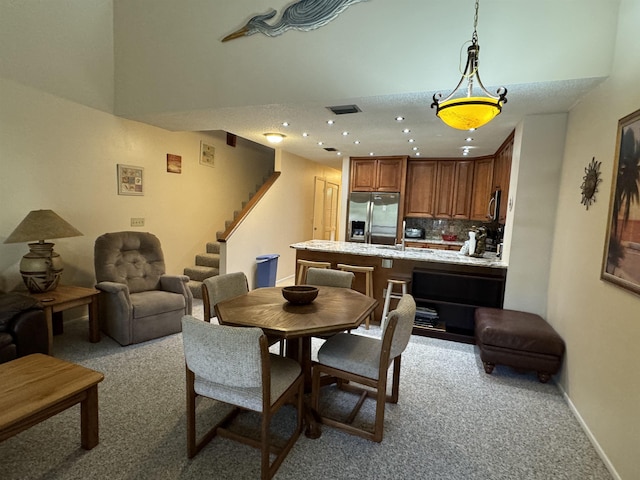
[[470, 112]]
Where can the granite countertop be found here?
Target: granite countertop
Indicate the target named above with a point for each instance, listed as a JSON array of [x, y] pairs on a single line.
[[389, 251]]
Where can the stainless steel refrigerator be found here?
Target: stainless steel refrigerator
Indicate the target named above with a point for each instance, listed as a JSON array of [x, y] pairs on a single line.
[[373, 217]]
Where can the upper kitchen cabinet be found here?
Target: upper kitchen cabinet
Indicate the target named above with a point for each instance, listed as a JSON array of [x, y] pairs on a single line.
[[502, 175], [378, 174], [421, 188], [454, 183], [483, 173]]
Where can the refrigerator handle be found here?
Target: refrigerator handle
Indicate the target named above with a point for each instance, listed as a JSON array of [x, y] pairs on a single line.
[[367, 228]]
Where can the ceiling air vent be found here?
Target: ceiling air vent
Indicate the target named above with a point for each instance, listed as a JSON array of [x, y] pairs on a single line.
[[344, 109], [330, 149]]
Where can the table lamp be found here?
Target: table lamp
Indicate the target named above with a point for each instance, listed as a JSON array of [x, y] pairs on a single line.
[[41, 268]]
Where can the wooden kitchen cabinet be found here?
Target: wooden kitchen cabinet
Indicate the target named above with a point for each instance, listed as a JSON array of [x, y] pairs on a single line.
[[502, 175], [421, 189], [381, 174], [482, 188], [454, 185]]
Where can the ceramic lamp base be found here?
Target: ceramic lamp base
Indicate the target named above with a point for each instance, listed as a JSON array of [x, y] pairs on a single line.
[[41, 268]]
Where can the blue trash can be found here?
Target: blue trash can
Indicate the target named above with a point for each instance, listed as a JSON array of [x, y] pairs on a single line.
[[266, 270]]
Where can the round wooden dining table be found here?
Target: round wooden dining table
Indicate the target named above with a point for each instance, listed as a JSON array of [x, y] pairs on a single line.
[[334, 310]]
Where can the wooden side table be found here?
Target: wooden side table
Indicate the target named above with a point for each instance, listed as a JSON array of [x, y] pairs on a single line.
[[38, 386], [65, 297]]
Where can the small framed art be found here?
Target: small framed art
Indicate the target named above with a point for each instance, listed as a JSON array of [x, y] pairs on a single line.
[[174, 163], [130, 180], [207, 154]]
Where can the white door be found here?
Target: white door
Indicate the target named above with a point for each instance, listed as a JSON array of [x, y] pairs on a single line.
[[318, 209], [325, 209]]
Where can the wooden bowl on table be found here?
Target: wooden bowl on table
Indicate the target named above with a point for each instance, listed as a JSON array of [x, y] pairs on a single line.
[[300, 294]]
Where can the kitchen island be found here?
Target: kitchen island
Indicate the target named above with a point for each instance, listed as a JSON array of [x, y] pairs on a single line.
[[445, 281]]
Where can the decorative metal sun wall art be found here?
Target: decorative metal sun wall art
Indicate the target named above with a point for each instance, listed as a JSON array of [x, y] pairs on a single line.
[[590, 182]]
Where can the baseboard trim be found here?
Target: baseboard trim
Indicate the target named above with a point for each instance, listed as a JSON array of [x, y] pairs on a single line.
[[590, 435]]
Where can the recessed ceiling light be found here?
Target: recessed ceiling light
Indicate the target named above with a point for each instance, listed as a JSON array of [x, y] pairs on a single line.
[[399, 119], [465, 153], [357, 142], [469, 139], [329, 122], [472, 129], [285, 124], [417, 154], [320, 143], [345, 133], [411, 140], [338, 153], [415, 149], [305, 134], [371, 154], [406, 130]]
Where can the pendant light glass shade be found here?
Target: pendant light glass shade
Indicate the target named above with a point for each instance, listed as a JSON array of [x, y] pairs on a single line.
[[466, 113]]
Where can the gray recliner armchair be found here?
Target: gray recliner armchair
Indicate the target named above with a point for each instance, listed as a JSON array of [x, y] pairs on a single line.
[[138, 301]]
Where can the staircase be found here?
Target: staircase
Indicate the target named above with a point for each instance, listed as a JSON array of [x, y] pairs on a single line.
[[208, 264]]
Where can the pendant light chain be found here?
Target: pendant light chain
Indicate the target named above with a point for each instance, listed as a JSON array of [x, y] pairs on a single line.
[[474, 37]]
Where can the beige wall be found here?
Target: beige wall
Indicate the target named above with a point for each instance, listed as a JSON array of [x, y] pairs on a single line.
[[599, 321], [59, 155], [284, 216], [533, 196]]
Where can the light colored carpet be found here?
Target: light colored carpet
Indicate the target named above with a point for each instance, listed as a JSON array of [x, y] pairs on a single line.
[[453, 421]]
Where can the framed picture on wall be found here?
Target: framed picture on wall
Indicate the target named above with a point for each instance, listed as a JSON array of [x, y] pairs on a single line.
[[621, 262], [174, 163], [207, 154], [130, 180]]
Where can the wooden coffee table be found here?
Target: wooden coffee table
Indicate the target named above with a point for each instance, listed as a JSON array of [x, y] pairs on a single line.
[[65, 297], [38, 386]]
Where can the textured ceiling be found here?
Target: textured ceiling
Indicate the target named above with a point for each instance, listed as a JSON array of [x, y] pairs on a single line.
[[385, 57]]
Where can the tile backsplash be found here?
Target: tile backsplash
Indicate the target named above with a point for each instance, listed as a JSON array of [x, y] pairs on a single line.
[[434, 228]]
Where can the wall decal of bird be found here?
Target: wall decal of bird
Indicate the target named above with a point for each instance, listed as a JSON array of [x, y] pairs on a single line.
[[303, 15]]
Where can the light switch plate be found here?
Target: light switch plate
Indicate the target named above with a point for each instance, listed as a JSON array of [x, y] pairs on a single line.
[[137, 222]]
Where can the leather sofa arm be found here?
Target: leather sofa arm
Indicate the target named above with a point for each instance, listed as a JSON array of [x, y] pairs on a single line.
[[30, 332]]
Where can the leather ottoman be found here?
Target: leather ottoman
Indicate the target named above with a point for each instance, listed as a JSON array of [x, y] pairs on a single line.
[[524, 341]]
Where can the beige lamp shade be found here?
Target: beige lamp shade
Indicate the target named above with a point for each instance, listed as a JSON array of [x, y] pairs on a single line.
[[41, 268]]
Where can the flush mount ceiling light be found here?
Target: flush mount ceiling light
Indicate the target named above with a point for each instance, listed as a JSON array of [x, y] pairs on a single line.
[[274, 137], [465, 113]]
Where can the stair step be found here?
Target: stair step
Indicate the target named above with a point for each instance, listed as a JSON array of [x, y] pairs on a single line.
[[196, 288], [199, 273], [208, 260], [214, 247]]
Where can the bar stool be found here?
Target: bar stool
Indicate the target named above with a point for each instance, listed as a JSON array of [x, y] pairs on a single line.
[[391, 282], [303, 266], [368, 271]]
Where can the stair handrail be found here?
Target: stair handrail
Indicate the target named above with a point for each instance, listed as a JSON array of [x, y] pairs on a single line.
[[253, 201]]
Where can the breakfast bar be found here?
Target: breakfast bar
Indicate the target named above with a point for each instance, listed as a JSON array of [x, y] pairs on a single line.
[[447, 282]]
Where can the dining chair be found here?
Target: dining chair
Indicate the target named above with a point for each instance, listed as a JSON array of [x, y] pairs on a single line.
[[329, 278], [223, 287], [233, 365], [365, 360]]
